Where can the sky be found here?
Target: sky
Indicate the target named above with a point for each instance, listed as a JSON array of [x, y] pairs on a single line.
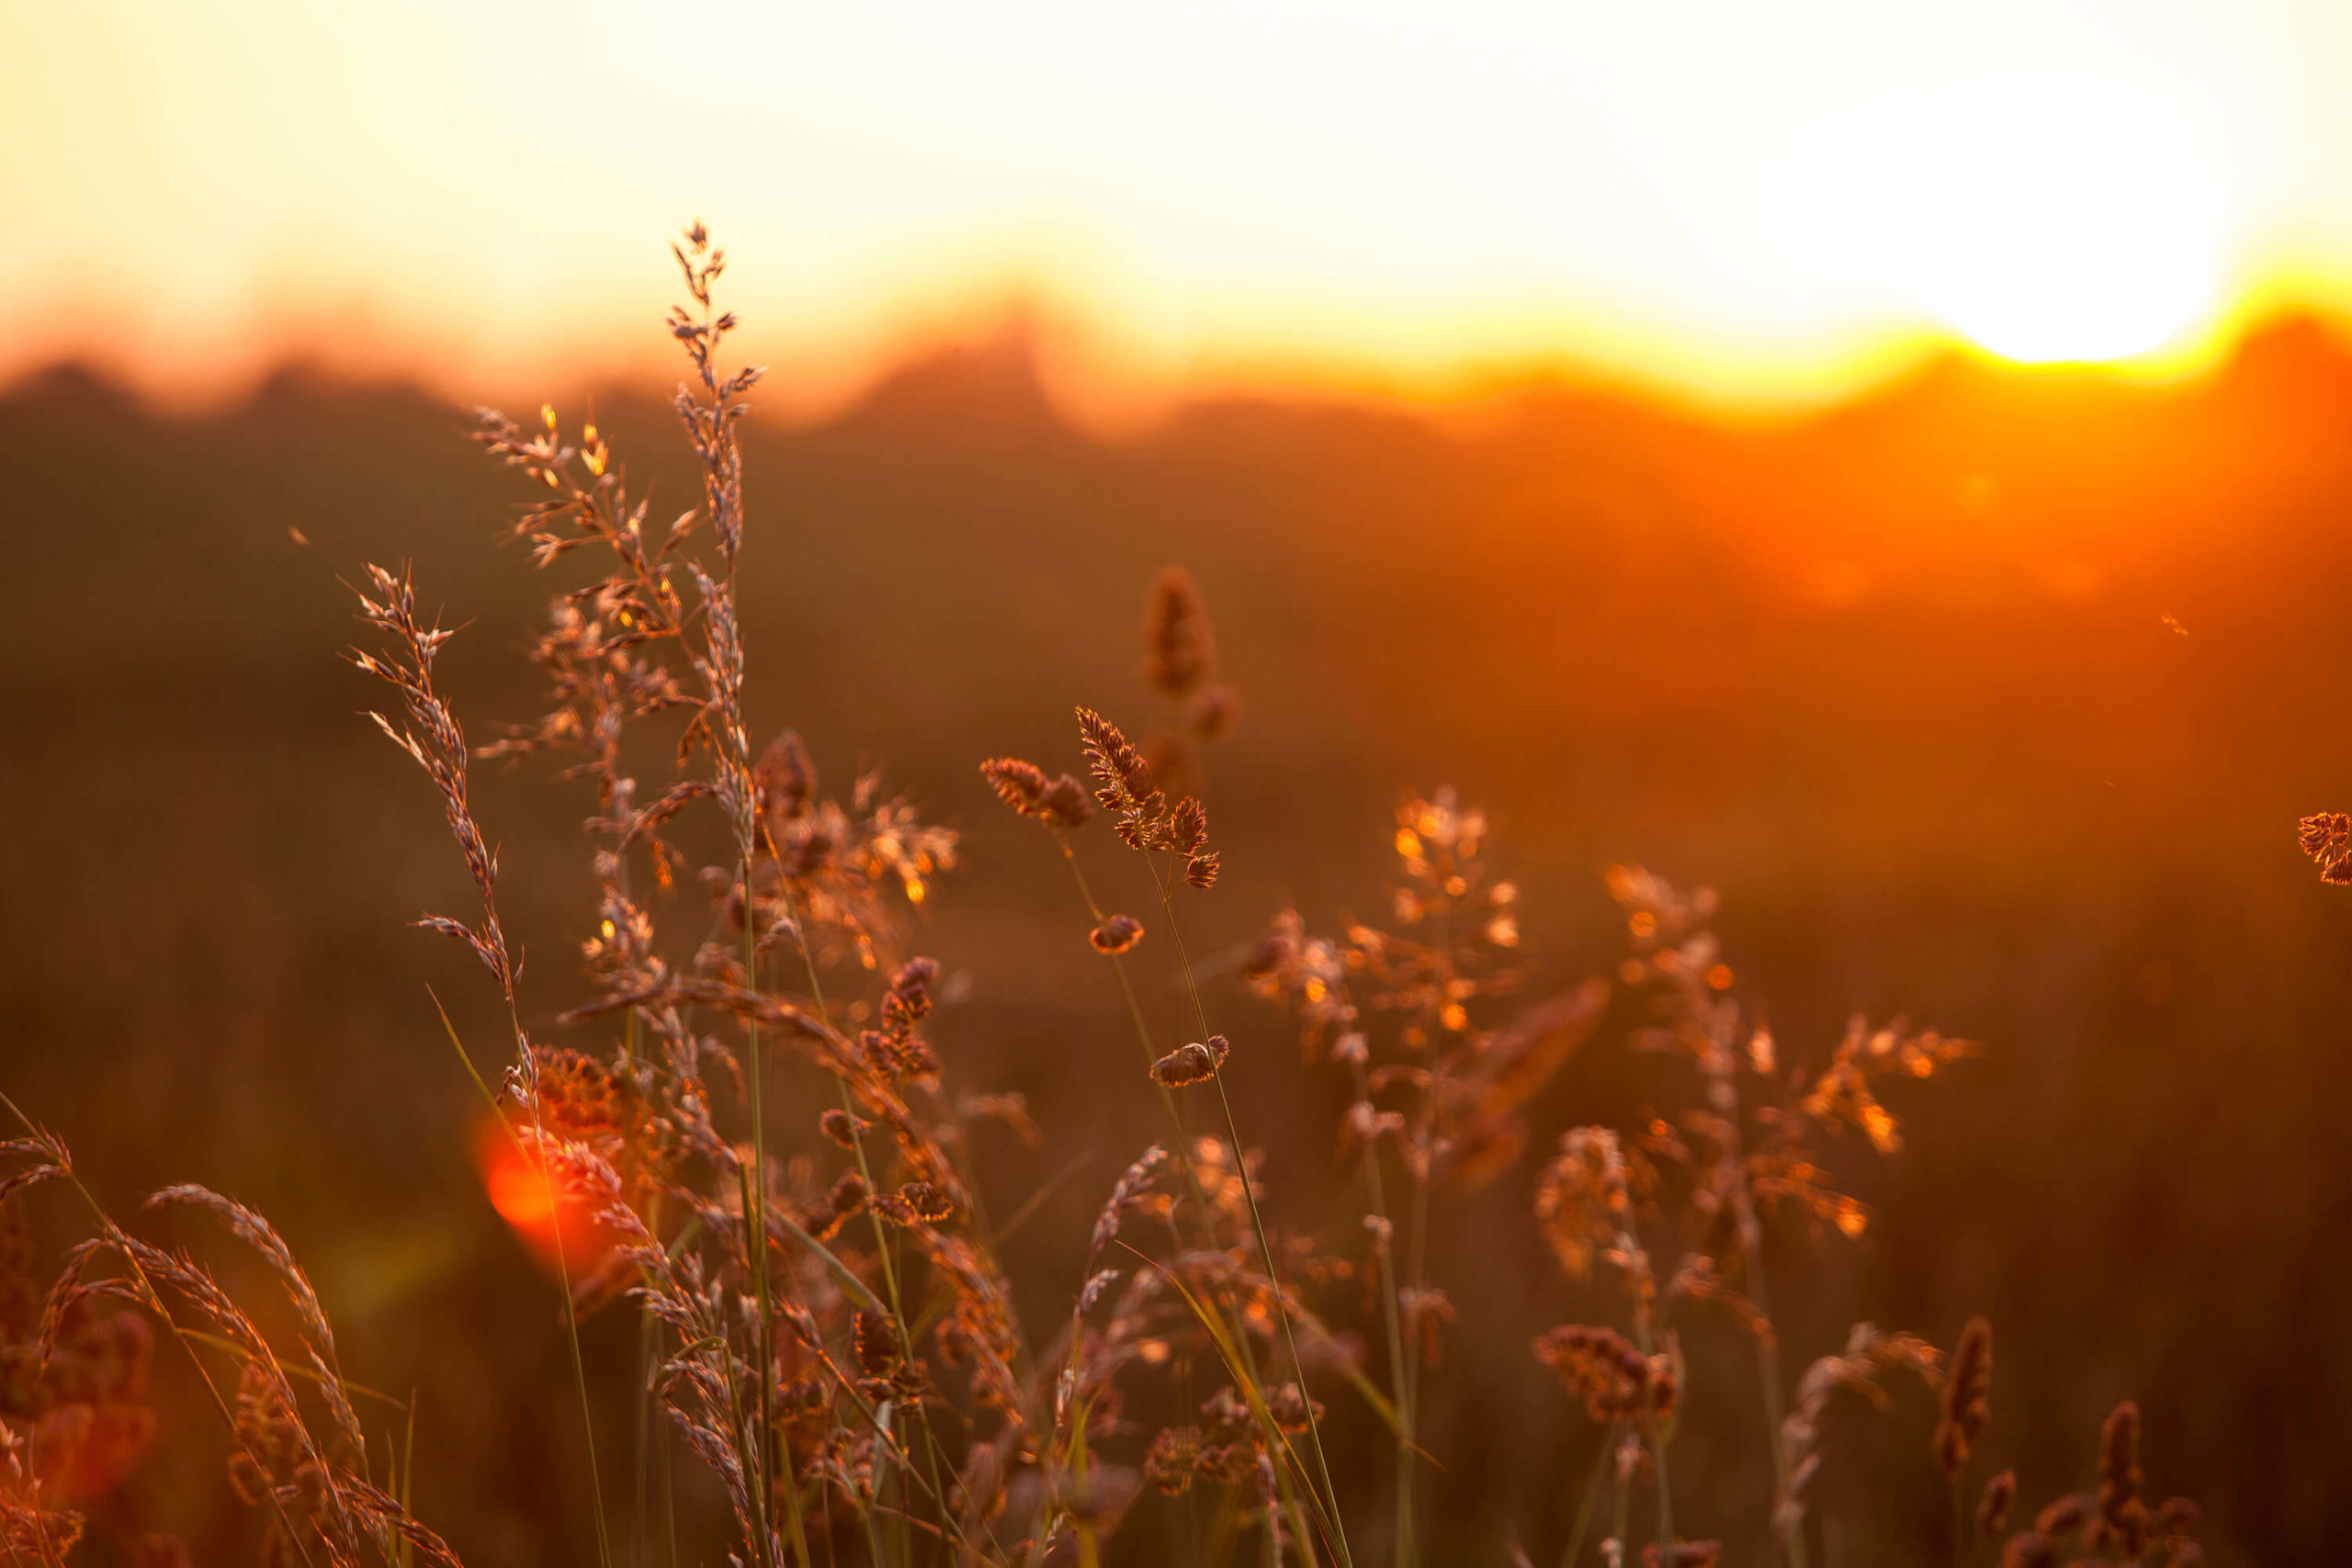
[[1728, 199]]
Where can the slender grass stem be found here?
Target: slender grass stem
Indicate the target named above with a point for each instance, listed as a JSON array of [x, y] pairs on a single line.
[[1257, 1224], [1750, 1228], [570, 1319], [669, 1496], [408, 1478], [1417, 1239], [1290, 1339], [1625, 1512], [1184, 1158], [648, 1341], [755, 1222], [883, 1242], [752, 1453], [873, 1416], [563, 1272], [1591, 1498], [1768, 1370], [1647, 1345], [1391, 1316]]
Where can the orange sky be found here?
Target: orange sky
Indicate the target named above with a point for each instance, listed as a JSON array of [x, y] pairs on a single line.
[[1736, 200]]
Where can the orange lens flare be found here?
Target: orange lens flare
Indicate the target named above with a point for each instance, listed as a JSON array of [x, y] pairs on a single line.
[[559, 1229]]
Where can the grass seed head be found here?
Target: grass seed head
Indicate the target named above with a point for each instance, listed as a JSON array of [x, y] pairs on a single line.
[[1966, 1402], [2121, 1520], [1116, 934], [1195, 1062], [1601, 1366], [1124, 783], [876, 1343], [2326, 837], [2065, 1516], [2028, 1548], [1174, 1453], [1992, 1507], [1179, 648], [1211, 712]]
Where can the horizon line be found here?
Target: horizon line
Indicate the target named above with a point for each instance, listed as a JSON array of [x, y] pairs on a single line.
[[1085, 390]]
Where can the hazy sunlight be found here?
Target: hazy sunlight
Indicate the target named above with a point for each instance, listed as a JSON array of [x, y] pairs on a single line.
[[1737, 201]]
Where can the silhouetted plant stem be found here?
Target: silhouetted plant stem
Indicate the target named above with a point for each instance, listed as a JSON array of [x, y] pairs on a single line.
[[1258, 1226], [1184, 1159], [1591, 1498]]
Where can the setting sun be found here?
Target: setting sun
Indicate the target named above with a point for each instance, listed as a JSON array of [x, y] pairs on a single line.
[[2063, 220]]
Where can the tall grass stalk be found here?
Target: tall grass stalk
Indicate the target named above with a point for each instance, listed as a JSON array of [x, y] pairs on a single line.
[[1400, 1386], [1257, 1222], [1184, 1158]]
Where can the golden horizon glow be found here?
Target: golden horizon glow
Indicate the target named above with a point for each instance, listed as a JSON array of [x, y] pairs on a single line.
[[1728, 203]]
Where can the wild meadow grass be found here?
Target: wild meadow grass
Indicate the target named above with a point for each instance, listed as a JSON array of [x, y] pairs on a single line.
[[750, 1144]]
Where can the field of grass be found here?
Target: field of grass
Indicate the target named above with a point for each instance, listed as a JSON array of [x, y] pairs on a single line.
[[903, 1080]]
